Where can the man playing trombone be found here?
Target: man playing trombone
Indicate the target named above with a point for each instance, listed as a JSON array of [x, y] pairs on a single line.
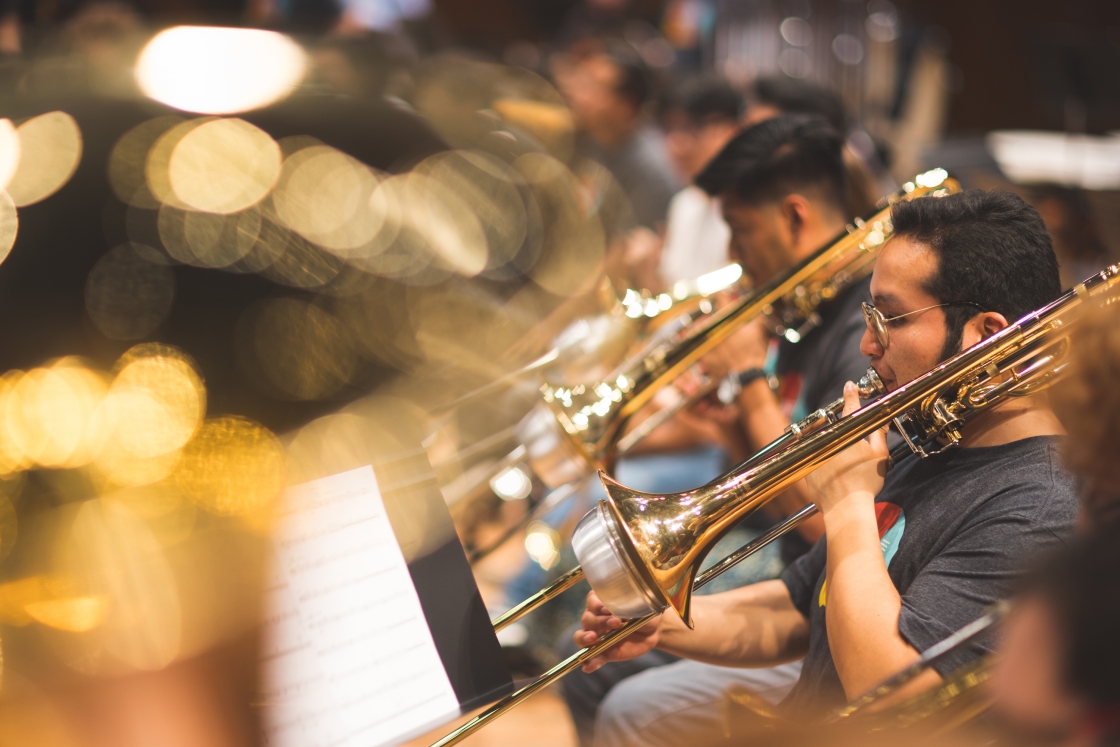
[[782, 187], [913, 553]]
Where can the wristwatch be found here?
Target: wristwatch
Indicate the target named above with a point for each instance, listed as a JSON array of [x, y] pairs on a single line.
[[750, 375]]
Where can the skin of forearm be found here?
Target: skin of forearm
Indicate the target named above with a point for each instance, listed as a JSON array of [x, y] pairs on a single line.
[[762, 422], [753, 626], [863, 604]]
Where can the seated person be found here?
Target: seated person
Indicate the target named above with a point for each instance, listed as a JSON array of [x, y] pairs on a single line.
[[781, 184], [913, 554], [606, 89], [1056, 681], [700, 117]]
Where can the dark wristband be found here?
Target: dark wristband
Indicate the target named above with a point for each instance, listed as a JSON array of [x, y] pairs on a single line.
[[750, 375]]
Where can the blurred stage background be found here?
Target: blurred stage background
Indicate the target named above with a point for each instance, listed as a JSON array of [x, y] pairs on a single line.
[[235, 260]]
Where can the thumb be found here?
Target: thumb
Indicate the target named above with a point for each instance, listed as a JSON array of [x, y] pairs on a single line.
[[851, 398]]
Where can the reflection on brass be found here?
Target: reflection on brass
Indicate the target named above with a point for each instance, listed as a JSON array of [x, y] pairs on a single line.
[[50, 149], [664, 538]]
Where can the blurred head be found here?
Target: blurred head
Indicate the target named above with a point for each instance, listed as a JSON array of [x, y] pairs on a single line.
[[781, 184], [1057, 676], [699, 119], [770, 97], [968, 264], [1088, 404], [606, 91]]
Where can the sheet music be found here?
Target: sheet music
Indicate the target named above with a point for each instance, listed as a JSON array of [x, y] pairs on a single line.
[[348, 658]]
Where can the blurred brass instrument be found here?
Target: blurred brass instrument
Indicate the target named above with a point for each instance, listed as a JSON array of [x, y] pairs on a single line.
[[579, 428], [956, 700], [953, 702], [641, 551]]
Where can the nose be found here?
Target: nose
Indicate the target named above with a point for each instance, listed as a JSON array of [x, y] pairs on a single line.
[[869, 344]]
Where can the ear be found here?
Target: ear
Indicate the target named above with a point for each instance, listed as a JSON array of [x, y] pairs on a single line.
[[991, 322], [796, 212]]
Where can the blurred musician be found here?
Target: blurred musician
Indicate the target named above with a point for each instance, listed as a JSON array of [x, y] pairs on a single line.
[[781, 184], [1056, 681], [911, 555], [700, 117]]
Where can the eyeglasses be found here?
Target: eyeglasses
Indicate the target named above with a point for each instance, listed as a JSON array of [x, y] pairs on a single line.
[[877, 323]]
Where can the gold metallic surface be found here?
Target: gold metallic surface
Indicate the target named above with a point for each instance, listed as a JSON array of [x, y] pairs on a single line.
[[593, 415], [669, 535]]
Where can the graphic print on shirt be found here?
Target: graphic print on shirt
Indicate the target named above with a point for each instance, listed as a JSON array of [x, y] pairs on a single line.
[[891, 520]]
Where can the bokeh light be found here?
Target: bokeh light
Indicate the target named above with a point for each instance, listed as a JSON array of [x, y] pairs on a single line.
[[130, 291], [233, 467], [223, 166], [157, 401], [208, 239], [50, 149], [119, 560], [9, 225], [574, 242], [219, 70], [302, 350], [128, 161], [492, 192], [9, 152], [51, 416], [323, 194]]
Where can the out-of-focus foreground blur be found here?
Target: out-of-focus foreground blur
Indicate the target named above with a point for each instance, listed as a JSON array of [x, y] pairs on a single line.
[[247, 245]]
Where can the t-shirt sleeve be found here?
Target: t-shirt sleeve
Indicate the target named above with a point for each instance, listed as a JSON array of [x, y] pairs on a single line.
[[801, 577], [975, 570]]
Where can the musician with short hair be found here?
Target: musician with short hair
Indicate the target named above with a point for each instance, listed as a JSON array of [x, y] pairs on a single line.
[[781, 184], [915, 552]]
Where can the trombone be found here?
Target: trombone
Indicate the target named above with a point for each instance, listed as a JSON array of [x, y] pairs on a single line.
[[958, 694], [641, 551], [579, 428]]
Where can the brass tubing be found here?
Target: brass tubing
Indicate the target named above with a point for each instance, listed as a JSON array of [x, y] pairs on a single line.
[[555, 589], [578, 658], [929, 657]]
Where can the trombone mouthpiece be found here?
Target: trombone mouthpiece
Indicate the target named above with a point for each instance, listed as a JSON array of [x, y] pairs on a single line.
[[612, 573]]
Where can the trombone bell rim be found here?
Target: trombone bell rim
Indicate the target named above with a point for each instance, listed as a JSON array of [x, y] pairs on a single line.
[[620, 580]]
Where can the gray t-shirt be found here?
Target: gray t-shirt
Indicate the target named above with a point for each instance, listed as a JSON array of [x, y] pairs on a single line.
[[642, 169], [955, 530]]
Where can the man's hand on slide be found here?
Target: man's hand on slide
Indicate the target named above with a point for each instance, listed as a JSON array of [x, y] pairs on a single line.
[[597, 621]]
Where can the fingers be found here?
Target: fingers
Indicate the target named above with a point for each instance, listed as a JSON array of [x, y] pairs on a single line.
[[851, 398], [878, 441]]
